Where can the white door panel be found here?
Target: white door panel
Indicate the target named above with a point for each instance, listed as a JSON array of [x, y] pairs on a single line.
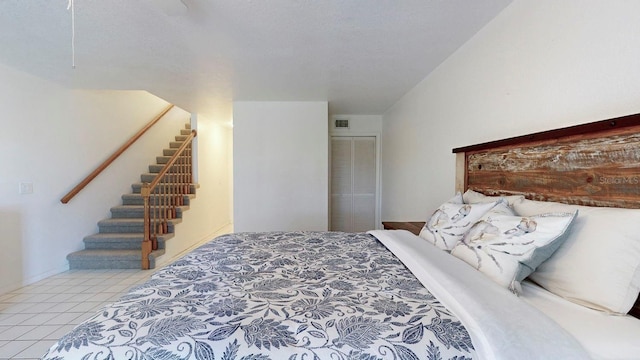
[[353, 183]]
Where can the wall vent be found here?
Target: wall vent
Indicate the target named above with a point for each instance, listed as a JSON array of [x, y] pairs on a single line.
[[342, 123]]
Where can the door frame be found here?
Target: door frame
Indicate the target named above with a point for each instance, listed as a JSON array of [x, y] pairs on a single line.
[[352, 134]]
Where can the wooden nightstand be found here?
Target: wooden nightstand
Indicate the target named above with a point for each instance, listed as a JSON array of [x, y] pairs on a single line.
[[413, 226]]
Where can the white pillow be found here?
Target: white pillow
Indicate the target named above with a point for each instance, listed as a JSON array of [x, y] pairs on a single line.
[[474, 197], [456, 199], [508, 248], [446, 226], [599, 264]]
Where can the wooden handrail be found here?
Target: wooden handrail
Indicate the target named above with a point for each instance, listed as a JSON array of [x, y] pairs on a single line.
[[111, 158]]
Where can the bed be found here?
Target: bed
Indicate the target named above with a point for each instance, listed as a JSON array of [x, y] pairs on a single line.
[[397, 295]]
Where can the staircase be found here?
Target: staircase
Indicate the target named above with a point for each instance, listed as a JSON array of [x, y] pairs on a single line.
[[117, 245]]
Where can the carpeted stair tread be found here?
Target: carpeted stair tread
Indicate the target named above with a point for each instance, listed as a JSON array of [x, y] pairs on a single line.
[[125, 221], [115, 241], [136, 199], [136, 187], [168, 152], [129, 225], [162, 159], [122, 236], [137, 211], [155, 168], [110, 259], [147, 177]]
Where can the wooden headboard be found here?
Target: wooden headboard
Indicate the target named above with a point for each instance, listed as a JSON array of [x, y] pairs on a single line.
[[594, 164]]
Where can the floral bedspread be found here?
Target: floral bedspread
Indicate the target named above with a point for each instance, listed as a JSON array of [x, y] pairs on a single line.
[[277, 295]]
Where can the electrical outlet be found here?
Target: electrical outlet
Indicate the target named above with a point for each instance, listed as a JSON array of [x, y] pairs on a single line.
[[26, 188]]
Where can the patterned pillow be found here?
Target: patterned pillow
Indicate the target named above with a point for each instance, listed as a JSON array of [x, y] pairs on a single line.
[[474, 197], [501, 208], [509, 248], [449, 222]]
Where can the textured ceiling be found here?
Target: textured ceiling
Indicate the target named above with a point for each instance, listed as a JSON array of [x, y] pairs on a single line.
[[360, 55]]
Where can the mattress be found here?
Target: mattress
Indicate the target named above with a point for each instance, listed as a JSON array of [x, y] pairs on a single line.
[[312, 295]]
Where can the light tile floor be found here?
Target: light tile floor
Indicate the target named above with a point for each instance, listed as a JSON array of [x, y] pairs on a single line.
[[32, 318]]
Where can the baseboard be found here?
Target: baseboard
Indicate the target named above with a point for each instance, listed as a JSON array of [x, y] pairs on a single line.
[[33, 279]]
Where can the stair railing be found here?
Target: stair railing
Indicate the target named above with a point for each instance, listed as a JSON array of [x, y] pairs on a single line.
[[164, 194], [114, 156]]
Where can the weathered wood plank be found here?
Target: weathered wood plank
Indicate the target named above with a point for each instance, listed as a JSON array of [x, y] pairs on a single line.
[[616, 152], [586, 170]]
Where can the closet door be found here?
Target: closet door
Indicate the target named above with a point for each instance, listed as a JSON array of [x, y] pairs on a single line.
[[353, 183]]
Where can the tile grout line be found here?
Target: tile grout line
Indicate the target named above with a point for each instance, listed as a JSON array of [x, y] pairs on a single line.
[[59, 303], [32, 318]]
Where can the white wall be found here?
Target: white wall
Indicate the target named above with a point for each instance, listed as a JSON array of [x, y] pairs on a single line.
[[53, 137], [538, 65], [280, 166]]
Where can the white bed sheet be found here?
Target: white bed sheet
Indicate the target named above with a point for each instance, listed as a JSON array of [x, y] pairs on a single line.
[[604, 336], [501, 325]]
